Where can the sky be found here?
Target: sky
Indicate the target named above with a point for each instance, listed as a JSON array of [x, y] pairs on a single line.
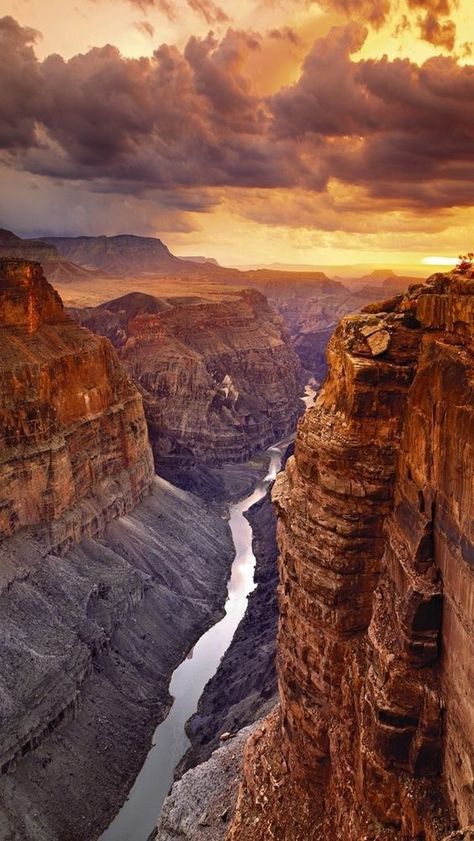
[[290, 131]]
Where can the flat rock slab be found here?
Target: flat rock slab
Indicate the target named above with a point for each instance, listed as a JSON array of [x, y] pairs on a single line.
[[378, 342]]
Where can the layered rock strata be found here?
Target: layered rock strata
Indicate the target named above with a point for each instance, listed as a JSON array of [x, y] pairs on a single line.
[[107, 575], [74, 444], [374, 736], [219, 378], [56, 267]]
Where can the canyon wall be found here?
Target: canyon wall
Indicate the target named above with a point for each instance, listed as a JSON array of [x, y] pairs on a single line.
[[374, 735], [74, 443], [219, 377], [312, 306], [108, 575]]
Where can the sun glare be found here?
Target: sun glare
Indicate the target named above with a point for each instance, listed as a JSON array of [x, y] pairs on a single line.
[[440, 261]]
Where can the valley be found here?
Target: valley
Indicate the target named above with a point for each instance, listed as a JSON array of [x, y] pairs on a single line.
[[138, 564]]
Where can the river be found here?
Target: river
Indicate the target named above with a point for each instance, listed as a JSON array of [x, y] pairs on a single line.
[[140, 811]]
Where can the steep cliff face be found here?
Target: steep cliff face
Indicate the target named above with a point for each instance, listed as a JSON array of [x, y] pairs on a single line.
[[219, 378], [312, 307], [374, 737], [107, 575], [74, 444]]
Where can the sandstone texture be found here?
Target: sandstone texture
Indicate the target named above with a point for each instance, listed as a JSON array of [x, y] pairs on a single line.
[[312, 305], [74, 443], [374, 737], [219, 378], [108, 575]]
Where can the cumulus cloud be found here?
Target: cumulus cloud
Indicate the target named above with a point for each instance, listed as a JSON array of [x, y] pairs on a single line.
[[374, 12], [439, 34], [401, 130], [285, 33], [22, 93], [430, 17], [189, 123]]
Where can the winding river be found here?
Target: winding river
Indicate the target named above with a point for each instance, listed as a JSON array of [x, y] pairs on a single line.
[[139, 813]]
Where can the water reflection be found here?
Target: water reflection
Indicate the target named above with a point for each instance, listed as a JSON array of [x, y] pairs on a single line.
[[139, 814]]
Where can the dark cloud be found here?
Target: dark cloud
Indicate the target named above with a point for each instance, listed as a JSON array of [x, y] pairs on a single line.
[[439, 34], [169, 121], [207, 9], [22, 92], [145, 27], [285, 33], [400, 130], [184, 122], [430, 19], [374, 12]]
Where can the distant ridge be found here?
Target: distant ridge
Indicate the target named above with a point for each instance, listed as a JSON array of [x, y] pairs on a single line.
[[55, 267], [123, 254], [211, 260]]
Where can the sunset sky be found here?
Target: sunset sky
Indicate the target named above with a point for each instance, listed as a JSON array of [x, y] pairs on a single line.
[[338, 131]]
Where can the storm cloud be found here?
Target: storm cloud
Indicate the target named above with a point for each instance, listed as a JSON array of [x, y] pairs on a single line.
[[190, 121]]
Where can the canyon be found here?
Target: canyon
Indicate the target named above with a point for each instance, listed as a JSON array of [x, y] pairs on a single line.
[[91, 271], [219, 379], [373, 735], [98, 559]]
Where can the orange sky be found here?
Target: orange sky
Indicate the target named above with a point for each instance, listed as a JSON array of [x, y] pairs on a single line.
[[314, 169]]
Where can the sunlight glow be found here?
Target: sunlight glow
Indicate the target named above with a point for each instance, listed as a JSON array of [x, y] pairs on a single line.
[[440, 261]]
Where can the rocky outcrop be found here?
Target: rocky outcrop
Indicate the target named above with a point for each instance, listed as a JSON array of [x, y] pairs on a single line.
[[74, 444], [107, 575], [219, 378], [201, 805], [374, 738], [312, 306]]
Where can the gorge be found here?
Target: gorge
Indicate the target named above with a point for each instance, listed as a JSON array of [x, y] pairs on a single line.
[[99, 560], [373, 736], [219, 378]]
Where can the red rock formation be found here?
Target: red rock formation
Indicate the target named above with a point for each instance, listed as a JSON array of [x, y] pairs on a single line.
[[375, 739], [74, 445], [219, 378]]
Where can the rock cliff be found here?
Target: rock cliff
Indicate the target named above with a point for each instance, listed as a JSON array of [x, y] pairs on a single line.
[[311, 307], [74, 444], [119, 255], [219, 378], [107, 575], [374, 738]]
